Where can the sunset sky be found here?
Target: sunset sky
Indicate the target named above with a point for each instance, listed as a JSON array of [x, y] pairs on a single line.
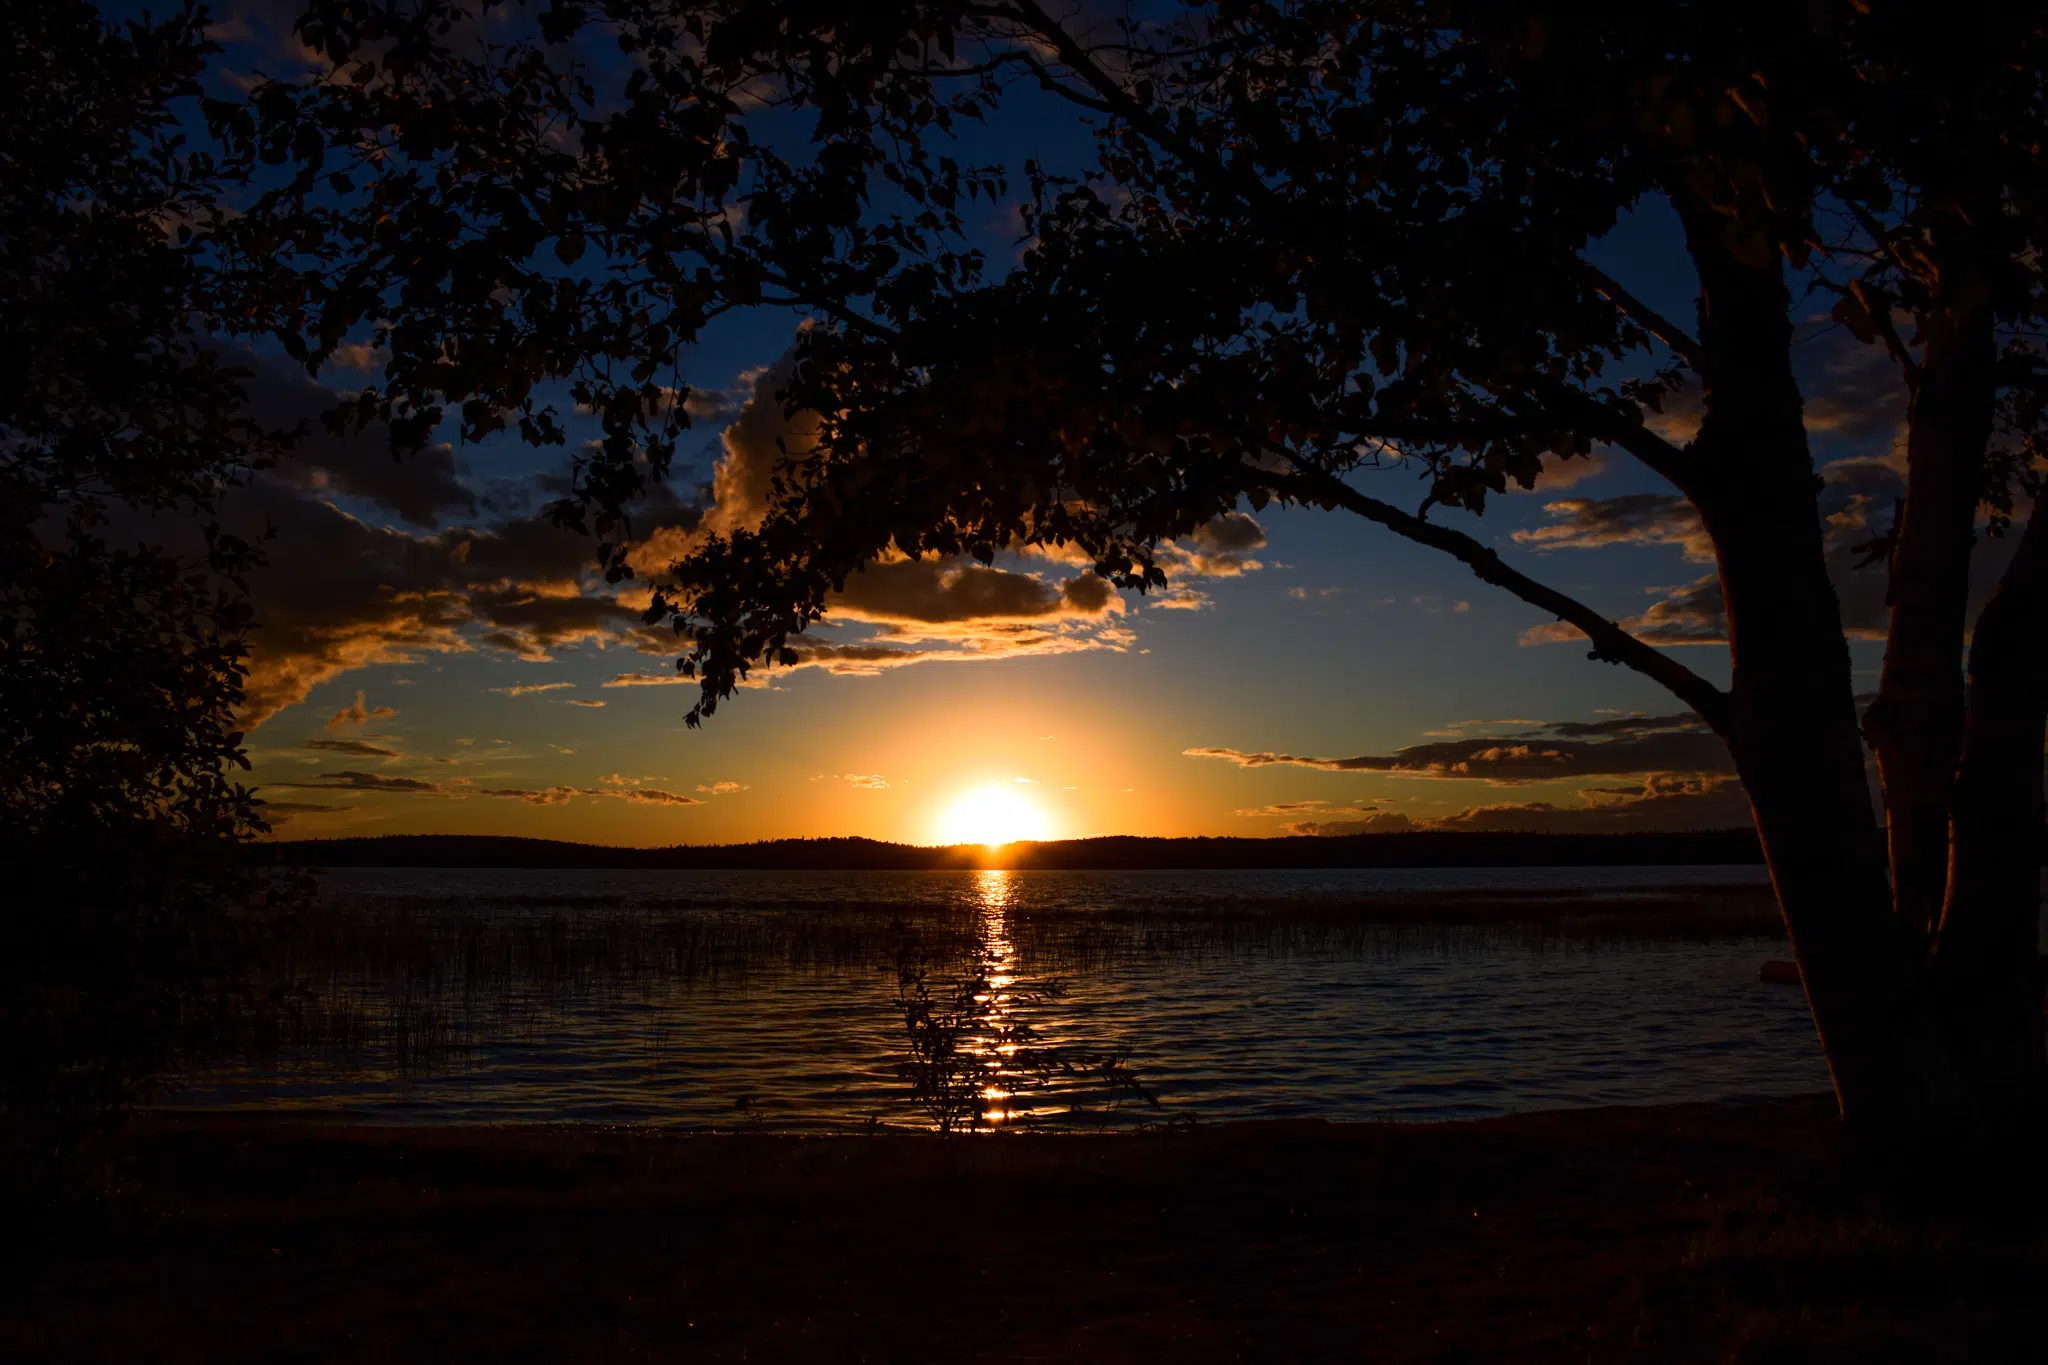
[[436, 658]]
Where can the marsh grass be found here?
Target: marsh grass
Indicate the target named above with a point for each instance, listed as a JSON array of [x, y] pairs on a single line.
[[420, 985], [973, 1058]]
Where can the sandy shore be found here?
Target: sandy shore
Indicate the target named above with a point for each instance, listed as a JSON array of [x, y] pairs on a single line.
[[1681, 1233]]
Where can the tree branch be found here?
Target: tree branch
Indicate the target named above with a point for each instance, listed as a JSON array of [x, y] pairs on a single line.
[[839, 312], [1674, 463], [1662, 457], [1881, 314], [1649, 319], [1610, 642], [1111, 98]]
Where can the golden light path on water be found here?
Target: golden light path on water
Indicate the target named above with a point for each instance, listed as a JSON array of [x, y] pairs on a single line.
[[995, 887]]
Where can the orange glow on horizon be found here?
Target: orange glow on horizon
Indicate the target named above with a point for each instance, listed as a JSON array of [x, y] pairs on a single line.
[[994, 815]]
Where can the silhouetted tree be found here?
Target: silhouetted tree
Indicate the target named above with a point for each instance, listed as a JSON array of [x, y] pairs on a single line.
[[1320, 238], [121, 613]]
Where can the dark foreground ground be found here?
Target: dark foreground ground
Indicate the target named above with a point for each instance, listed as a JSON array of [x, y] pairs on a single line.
[[1691, 1233]]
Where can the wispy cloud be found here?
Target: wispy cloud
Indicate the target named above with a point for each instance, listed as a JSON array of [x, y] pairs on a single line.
[[873, 782], [349, 779], [355, 748]]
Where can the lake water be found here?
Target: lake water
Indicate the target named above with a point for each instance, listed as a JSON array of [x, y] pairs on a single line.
[[823, 1001]]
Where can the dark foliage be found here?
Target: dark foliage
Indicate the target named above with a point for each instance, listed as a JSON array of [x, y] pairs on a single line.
[[122, 614]]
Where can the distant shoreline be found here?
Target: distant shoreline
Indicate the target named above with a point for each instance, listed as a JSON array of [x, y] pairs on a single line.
[[1120, 853]]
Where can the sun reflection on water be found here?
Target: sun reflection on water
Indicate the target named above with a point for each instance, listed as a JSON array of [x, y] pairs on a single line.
[[994, 889]]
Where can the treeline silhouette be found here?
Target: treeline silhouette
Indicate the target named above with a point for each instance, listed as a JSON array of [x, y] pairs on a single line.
[[1108, 853]]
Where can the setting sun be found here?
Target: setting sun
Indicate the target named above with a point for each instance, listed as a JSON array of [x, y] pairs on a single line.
[[994, 815]]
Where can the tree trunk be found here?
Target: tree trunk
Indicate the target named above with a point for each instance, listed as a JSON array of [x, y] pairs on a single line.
[[1987, 968], [1794, 731], [1916, 724]]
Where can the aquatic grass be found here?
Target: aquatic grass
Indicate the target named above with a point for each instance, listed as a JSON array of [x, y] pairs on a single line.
[[417, 985], [973, 1058]]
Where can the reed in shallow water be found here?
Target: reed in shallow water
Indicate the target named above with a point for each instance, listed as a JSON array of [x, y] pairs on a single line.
[[413, 984]]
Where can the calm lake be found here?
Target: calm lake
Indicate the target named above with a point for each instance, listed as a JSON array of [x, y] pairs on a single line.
[[819, 1001]]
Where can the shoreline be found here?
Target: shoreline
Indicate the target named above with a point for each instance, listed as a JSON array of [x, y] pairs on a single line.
[[1098, 853], [1685, 1232]]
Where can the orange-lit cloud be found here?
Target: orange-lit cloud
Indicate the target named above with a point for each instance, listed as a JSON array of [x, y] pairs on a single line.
[[359, 714], [526, 689], [1565, 749], [873, 782]]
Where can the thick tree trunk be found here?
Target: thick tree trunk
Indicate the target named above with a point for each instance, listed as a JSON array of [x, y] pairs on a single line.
[[1793, 728], [1916, 724], [1987, 968]]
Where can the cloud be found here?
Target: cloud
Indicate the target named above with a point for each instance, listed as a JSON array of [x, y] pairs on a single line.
[[417, 489], [358, 714], [1663, 802], [581, 701], [761, 439], [1856, 499], [873, 782], [1632, 519], [979, 642], [340, 593], [1692, 613], [650, 680], [555, 796], [1854, 402], [277, 813], [351, 780], [345, 591], [721, 788], [925, 610], [705, 406], [1648, 744], [1219, 548], [355, 748], [1563, 472], [1383, 822], [1678, 776], [544, 796], [528, 689], [1852, 389], [913, 595], [654, 796], [1287, 808]]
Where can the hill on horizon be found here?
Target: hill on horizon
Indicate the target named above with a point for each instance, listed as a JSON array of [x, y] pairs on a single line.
[[1100, 853]]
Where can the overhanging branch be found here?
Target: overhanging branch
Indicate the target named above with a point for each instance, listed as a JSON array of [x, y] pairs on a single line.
[[1660, 455], [1649, 319], [1610, 641]]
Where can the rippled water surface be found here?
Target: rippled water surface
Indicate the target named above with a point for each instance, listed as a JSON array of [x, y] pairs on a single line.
[[787, 1001]]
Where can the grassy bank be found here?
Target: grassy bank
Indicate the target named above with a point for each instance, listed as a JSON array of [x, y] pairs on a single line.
[[1688, 1233]]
